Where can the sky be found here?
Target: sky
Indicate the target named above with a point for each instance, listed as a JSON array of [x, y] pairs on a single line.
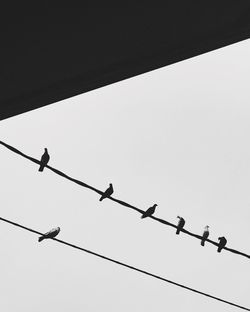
[[178, 137]]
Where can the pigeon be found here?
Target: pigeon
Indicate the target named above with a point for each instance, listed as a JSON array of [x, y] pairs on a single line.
[[109, 191], [180, 225], [222, 243], [44, 160], [205, 235], [149, 211], [52, 233]]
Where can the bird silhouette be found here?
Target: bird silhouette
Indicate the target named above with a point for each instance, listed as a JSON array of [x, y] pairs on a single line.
[[149, 211], [180, 225], [222, 243], [44, 160], [205, 235], [52, 233], [109, 191]]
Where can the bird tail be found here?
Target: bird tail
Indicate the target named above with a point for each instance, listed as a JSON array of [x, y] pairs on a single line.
[[203, 242], [41, 238], [219, 249], [41, 168], [101, 198], [143, 216], [178, 231]]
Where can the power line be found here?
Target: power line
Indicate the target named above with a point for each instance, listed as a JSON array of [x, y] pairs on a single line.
[[129, 266], [60, 173]]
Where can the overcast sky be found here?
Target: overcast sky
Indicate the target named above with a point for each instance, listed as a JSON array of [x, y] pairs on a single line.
[[178, 137]]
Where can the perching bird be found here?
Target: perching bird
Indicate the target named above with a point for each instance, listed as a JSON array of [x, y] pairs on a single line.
[[109, 191], [222, 243], [44, 160], [52, 233], [205, 235], [180, 225], [149, 211]]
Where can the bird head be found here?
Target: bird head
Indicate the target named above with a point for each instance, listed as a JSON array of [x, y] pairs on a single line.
[[110, 184], [206, 227], [155, 205], [46, 150], [178, 217]]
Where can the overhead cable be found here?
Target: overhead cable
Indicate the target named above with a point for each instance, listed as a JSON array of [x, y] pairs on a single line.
[[129, 266]]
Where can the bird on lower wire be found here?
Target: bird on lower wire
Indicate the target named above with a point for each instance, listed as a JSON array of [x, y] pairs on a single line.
[[44, 160], [51, 234], [149, 212], [180, 225], [205, 235], [222, 243], [109, 191]]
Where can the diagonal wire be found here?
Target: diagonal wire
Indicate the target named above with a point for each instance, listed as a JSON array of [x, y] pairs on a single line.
[[60, 173], [129, 266]]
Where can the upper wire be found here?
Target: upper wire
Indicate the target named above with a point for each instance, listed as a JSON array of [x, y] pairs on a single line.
[[123, 203]]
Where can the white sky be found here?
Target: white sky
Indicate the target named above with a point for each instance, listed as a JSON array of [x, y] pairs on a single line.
[[178, 137]]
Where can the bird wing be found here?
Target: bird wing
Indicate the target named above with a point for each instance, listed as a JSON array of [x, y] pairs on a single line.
[[223, 242], [151, 210], [45, 157], [147, 212], [47, 234], [181, 223], [205, 234], [110, 190], [51, 233], [106, 193]]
